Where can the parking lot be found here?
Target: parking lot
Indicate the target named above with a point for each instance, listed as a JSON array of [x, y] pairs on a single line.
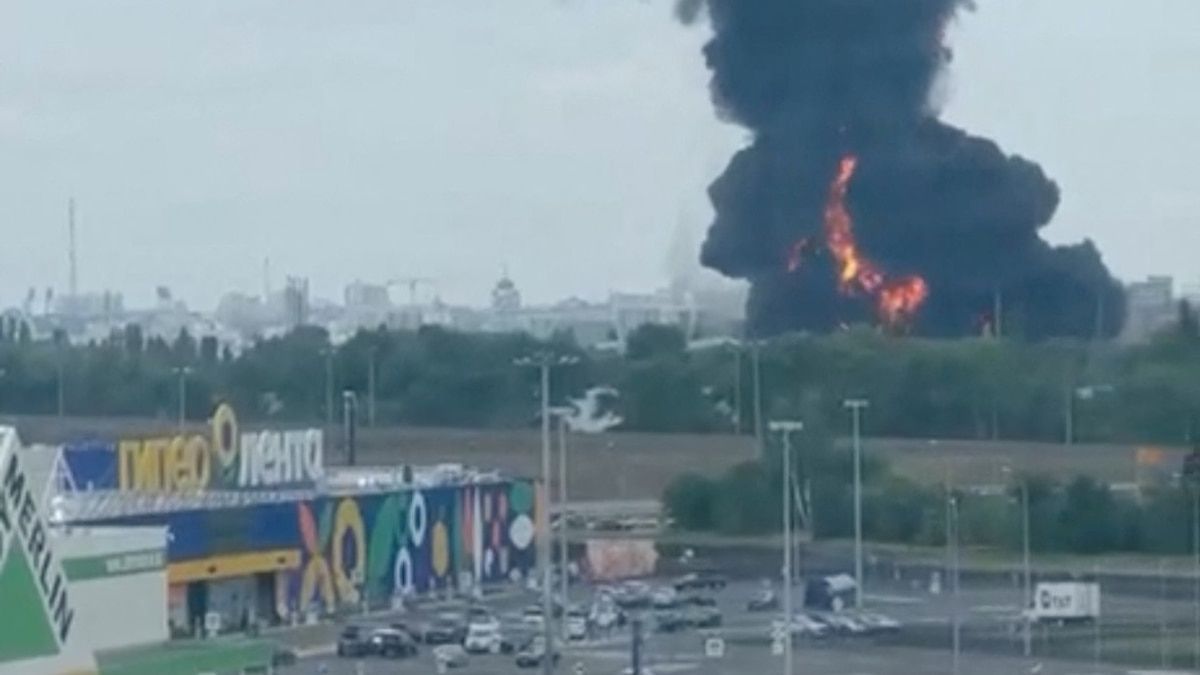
[[747, 643]]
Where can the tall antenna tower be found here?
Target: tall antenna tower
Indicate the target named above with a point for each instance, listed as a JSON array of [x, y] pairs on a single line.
[[73, 279]]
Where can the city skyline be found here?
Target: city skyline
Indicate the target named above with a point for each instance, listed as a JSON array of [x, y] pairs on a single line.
[[403, 146]]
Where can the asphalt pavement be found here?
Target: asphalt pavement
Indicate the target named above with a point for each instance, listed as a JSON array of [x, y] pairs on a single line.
[[983, 610]]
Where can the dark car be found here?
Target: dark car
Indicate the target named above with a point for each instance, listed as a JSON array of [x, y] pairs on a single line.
[[353, 641], [700, 581], [445, 630], [670, 622], [392, 644], [534, 652], [411, 631], [698, 600]]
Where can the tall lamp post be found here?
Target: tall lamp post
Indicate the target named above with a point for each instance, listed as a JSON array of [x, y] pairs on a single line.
[[561, 413], [1026, 567], [544, 362], [328, 353], [182, 372], [856, 406], [785, 428]]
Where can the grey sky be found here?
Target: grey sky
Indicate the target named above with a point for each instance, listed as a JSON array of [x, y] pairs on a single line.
[[569, 139]]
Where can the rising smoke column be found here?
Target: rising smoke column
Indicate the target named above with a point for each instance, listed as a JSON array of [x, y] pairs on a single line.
[[824, 82]]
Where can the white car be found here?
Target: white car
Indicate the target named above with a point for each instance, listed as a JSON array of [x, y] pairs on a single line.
[[577, 625], [879, 623], [533, 617], [450, 656], [664, 598], [484, 638]]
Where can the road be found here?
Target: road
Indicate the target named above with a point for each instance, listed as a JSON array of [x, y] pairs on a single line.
[[986, 611]]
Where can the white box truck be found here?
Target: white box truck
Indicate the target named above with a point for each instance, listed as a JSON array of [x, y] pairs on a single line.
[[1065, 602]]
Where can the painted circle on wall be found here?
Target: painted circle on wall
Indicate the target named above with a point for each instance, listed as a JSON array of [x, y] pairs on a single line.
[[418, 519], [520, 533], [403, 572]]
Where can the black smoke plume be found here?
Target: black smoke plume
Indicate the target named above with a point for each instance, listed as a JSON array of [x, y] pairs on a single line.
[[815, 80]]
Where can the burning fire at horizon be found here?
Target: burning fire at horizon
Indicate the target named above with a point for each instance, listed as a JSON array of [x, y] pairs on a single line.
[[896, 300], [944, 221]]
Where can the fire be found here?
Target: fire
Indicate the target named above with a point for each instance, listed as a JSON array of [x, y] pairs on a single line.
[[901, 298], [897, 300]]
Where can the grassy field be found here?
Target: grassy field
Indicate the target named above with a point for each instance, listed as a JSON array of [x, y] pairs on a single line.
[[638, 465]]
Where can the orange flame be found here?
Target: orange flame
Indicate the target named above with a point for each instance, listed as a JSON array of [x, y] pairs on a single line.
[[898, 299], [901, 298]]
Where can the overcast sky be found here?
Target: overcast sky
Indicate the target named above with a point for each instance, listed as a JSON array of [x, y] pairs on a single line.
[[571, 140]]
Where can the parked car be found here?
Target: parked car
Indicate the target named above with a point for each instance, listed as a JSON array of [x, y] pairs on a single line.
[[700, 581], [765, 601], [704, 617], [486, 637], [670, 622], [451, 656], [392, 644], [664, 598], [534, 652], [576, 624], [605, 615], [412, 631], [804, 625], [633, 595], [698, 600], [533, 616], [878, 623], [843, 624], [446, 629], [354, 641]]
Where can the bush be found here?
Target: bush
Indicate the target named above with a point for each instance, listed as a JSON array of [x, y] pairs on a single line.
[[690, 500]]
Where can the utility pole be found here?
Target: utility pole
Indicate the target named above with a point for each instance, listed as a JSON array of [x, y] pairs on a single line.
[[737, 390], [756, 365], [544, 361], [785, 428], [952, 542], [856, 406], [73, 279], [182, 372], [350, 426], [328, 354], [371, 387], [1026, 567], [62, 394], [564, 578]]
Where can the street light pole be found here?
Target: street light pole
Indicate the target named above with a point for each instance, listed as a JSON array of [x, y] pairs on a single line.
[[1026, 567], [1196, 571], [785, 428], [756, 365], [182, 372], [856, 406], [952, 540], [371, 387], [544, 362], [328, 354], [564, 579]]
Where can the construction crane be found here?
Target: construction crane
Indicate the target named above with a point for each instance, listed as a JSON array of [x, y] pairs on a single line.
[[413, 283]]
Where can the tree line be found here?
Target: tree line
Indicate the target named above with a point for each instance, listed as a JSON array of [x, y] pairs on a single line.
[[969, 388]]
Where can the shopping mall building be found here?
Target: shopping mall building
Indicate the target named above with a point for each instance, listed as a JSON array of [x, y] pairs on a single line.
[[193, 534]]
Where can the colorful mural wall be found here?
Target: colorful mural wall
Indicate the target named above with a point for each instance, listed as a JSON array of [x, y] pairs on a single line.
[[333, 550]]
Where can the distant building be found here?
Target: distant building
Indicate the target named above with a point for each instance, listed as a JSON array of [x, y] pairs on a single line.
[[1151, 307], [295, 302], [360, 296]]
